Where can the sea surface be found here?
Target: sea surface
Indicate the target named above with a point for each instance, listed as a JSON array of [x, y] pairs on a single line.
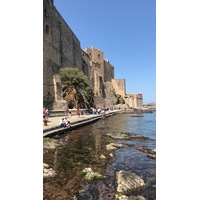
[[83, 148]]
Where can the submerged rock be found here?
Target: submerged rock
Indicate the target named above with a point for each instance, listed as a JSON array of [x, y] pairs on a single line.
[[113, 146], [123, 197], [102, 157], [137, 115], [128, 182], [151, 153], [49, 143], [127, 136], [90, 175], [111, 155]]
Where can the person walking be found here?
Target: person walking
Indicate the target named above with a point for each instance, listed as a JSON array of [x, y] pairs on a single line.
[[78, 112], [67, 111]]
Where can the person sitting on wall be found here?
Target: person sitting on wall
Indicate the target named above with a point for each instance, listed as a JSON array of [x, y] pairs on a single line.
[[62, 122], [104, 114], [68, 124]]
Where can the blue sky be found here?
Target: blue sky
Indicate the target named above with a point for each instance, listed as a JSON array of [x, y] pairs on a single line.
[[125, 30]]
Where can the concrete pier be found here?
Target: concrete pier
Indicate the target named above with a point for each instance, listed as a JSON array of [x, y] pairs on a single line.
[[53, 127]]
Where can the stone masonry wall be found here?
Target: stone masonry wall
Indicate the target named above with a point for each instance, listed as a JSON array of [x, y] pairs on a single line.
[[119, 86], [108, 71], [61, 48], [97, 70]]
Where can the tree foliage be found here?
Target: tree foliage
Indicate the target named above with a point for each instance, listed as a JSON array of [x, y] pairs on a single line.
[[76, 88], [72, 76]]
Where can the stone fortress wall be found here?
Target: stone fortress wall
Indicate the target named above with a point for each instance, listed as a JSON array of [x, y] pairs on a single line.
[[61, 48]]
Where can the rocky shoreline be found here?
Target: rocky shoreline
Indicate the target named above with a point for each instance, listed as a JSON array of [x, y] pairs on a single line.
[[127, 182]]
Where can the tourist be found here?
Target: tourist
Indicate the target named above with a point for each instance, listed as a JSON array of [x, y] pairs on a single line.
[[104, 114], [99, 111], [67, 111], [44, 113], [68, 124], [78, 112], [47, 114], [62, 122]]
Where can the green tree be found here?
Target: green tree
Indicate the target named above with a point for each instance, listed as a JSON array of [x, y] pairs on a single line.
[[76, 88]]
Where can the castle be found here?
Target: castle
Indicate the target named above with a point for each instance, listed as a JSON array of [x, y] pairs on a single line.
[[61, 48]]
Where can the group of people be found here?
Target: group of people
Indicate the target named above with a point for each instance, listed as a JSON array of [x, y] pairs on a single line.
[[64, 122]]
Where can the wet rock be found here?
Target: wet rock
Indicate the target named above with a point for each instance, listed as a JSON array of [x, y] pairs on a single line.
[[90, 175], [136, 115], [151, 156], [151, 153], [45, 165], [102, 157], [123, 197], [127, 136], [47, 173], [49, 143], [113, 146], [111, 155], [118, 135], [128, 182]]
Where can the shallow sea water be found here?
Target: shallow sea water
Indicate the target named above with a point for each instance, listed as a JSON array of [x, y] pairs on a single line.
[[83, 148]]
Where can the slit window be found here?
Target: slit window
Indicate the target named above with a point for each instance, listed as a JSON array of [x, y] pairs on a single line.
[[45, 13], [47, 29]]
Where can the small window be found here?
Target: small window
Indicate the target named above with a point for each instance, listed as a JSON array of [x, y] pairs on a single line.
[[45, 13], [98, 56], [47, 29]]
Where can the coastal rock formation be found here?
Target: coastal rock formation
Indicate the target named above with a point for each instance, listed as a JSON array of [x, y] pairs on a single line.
[[48, 172], [49, 143], [128, 182], [124, 197], [127, 136], [151, 153], [113, 146], [90, 175]]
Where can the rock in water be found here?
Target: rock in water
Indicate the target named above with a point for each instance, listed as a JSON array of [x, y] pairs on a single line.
[[128, 182], [90, 175], [123, 197]]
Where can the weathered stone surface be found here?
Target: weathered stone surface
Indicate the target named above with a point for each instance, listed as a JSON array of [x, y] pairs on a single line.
[[102, 157], [113, 146], [123, 136], [151, 153], [49, 143], [90, 175], [111, 155], [45, 165], [48, 172], [124, 197], [128, 182]]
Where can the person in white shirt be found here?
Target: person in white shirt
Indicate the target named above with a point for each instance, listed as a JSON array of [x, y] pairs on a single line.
[[62, 122]]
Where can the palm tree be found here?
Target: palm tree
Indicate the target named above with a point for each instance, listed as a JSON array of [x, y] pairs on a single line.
[[76, 88]]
